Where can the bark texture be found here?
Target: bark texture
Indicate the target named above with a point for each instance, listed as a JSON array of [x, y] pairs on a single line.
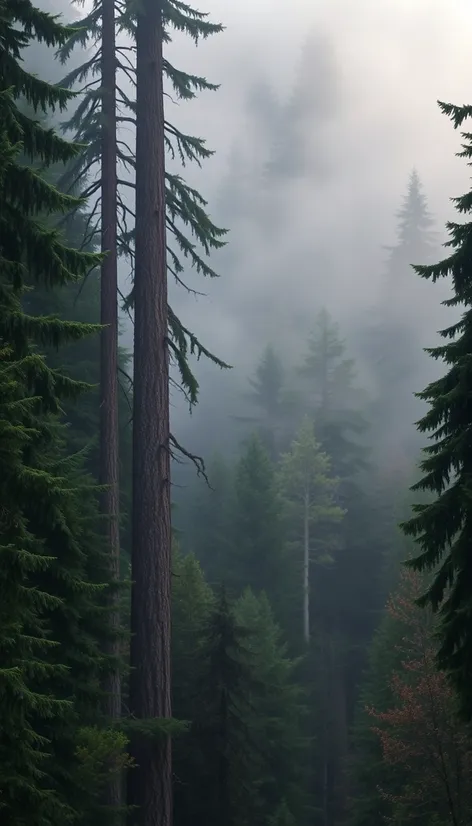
[[109, 441], [150, 783]]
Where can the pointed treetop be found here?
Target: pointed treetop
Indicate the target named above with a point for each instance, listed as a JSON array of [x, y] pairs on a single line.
[[330, 374], [268, 381], [415, 237]]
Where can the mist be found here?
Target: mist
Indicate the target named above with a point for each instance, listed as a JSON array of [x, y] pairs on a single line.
[[319, 119], [369, 76]]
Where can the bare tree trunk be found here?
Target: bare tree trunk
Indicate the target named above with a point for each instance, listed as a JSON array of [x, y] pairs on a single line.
[[306, 571], [150, 783], [109, 441]]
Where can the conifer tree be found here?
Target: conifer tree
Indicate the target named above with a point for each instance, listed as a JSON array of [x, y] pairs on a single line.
[[368, 773], [52, 574], [257, 559], [158, 207], [95, 123], [332, 397], [392, 344], [308, 492], [442, 527], [267, 394], [209, 530], [279, 714], [228, 754]]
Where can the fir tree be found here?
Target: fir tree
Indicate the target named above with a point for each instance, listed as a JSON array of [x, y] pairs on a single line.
[[390, 343], [268, 395], [279, 714], [209, 531], [229, 758], [442, 527], [52, 572], [257, 559], [332, 397], [308, 493], [368, 773], [192, 236]]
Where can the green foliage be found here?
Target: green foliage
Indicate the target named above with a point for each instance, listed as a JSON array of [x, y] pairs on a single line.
[[269, 397], [442, 528], [235, 684], [278, 710], [210, 533], [333, 399], [51, 576], [306, 486], [258, 542], [368, 772], [192, 236]]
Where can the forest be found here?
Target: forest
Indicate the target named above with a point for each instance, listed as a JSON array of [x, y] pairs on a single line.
[[235, 579]]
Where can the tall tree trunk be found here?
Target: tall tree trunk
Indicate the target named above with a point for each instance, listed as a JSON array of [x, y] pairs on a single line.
[[340, 728], [306, 570], [109, 447], [150, 783], [325, 726]]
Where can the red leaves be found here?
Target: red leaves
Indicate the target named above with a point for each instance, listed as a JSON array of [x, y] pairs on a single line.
[[421, 733]]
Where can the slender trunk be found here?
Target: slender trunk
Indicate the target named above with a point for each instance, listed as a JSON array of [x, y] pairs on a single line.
[[150, 783], [325, 744], [306, 570], [109, 447], [340, 733]]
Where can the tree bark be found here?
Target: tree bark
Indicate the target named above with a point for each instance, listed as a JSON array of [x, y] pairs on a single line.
[[150, 783], [109, 440], [306, 570]]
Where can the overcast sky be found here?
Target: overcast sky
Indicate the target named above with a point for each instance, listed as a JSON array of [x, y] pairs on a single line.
[[380, 68], [390, 61]]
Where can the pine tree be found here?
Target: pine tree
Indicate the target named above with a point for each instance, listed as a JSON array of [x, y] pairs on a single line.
[[308, 492], [279, 714], [257, 558], [192, 603], [267, 394], [51, 570], [81, 360], [347, 604], [192, 236], [332, 397], [390, 343], [209, 529], [442, 527], [309, 100], [368, 772], [229, 757], [420, 733]]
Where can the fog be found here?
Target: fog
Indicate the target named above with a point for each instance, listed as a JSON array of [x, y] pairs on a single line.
[[370, 74], [321, 114]]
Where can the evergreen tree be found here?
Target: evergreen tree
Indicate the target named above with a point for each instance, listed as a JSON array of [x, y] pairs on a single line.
[[209, 530], [257, 559], [268, 395], [310, 100], [412, 758], [333, 399], [229, 758], [392, 344], [347, 603], [279, 712], [81, 361], [442, 527], [308, 492], [368, 772], [192, 603], [52, 569]]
